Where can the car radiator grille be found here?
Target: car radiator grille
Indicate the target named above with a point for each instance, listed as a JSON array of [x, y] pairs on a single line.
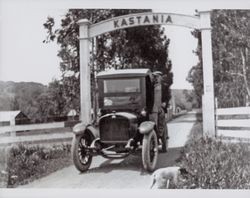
[[114, 130]]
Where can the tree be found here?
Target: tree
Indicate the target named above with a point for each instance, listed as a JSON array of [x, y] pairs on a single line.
[[195, 75], [191, 98], [51, 103], [231, 45], [14, 104], [44, 105], [129, 48], [230, 42], [56, 95]]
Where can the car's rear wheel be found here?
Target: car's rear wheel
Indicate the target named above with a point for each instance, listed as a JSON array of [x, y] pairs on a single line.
[[149, 151], [80, 152]]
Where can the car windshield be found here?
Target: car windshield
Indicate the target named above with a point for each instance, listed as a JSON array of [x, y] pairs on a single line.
[[122, 85], [120, 92]]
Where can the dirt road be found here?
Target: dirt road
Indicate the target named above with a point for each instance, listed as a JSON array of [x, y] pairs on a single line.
[[123, 173]]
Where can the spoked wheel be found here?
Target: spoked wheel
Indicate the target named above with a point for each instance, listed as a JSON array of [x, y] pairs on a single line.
[[150, 151], [80, 152]]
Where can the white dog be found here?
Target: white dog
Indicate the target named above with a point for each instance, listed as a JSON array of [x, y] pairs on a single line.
[[162, 176]]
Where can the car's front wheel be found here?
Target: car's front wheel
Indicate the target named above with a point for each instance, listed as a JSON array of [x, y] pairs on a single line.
[[80, 152], [150, 151]]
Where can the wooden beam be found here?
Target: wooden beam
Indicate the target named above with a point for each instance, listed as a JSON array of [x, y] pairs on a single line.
[[142, 19]]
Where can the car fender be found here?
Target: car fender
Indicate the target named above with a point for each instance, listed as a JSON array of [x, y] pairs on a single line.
[[146, 127], [81, 128]]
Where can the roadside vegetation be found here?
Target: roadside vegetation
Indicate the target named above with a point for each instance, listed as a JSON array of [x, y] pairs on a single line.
[[214, 164], [28, 162]]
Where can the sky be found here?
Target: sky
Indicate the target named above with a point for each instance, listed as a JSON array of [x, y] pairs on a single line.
[[24, 57], [181, 47]]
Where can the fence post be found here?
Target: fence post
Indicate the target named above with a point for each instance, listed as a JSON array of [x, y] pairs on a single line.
[[12, 123]]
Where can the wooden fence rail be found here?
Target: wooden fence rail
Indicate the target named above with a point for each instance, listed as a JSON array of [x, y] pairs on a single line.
[[26, 127], [37, 133], [233, 122]]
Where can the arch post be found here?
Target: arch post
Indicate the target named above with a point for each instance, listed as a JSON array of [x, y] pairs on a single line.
[[85, 87], [208, 112]]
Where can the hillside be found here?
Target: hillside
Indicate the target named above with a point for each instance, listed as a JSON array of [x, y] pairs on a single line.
[[20, 96]]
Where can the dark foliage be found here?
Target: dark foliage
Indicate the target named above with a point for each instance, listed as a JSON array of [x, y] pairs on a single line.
[[213, 164]]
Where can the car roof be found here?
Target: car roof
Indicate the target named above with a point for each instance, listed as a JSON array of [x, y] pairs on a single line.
[[124, 73]]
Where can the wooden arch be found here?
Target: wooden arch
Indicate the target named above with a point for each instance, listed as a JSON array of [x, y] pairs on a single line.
[[201, 22]]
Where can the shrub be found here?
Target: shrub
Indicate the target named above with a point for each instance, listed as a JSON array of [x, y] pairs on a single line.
[[29, 162], [195, 133], [214, 164]]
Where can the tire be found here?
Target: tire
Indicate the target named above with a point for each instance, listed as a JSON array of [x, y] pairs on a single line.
[[150, 151], [80, 155]]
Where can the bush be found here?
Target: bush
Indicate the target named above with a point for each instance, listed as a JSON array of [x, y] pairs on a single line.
[[26, 163], [213, 164]]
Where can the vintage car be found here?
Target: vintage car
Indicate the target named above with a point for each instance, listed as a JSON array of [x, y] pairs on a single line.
[[131, 120]]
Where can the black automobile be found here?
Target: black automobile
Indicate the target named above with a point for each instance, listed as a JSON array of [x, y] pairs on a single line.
[[131, 119]]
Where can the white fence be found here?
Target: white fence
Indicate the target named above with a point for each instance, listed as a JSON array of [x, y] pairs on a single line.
[[26, 127], [36, 133], [233, 122]]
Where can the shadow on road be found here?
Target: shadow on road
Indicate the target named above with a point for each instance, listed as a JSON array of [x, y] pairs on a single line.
[[169, 158], [134, 163]]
